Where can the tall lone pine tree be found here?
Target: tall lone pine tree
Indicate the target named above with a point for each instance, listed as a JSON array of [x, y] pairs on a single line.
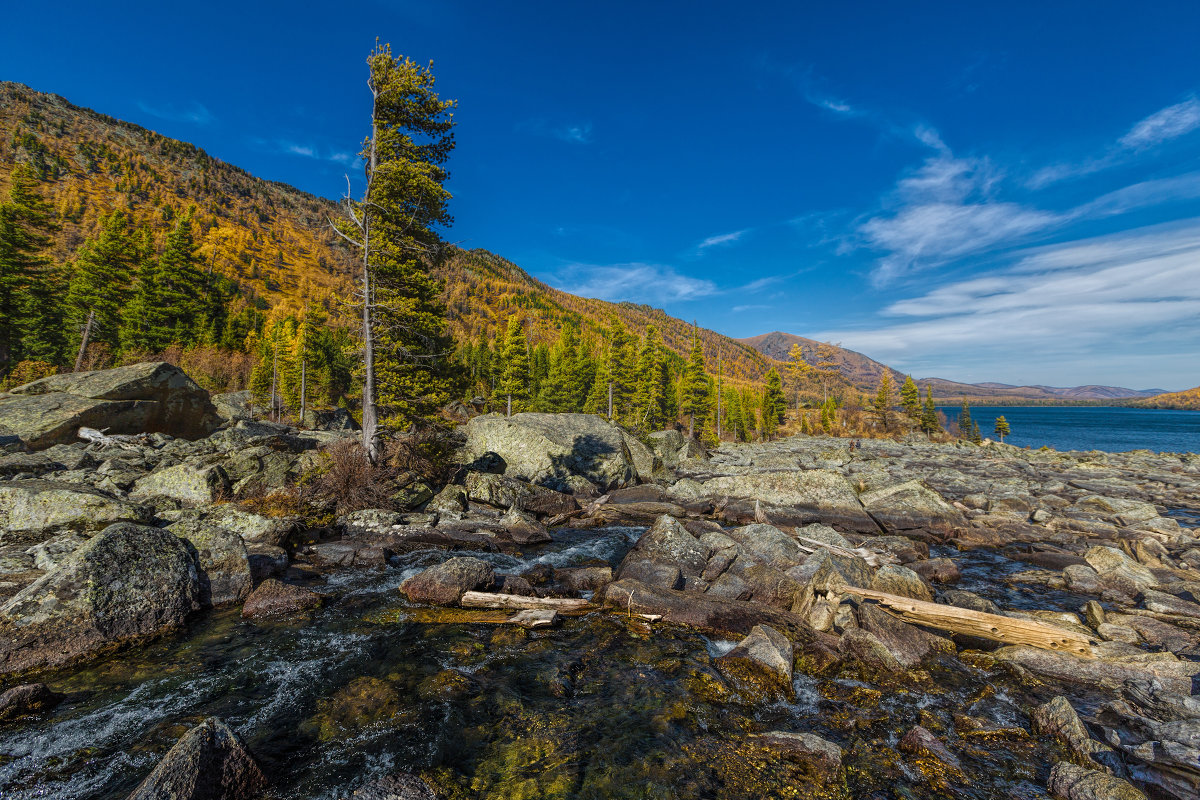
[[405, 337]]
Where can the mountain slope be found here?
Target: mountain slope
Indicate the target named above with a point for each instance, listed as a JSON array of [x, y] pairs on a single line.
[[1186, 400], [864, 373], [274, 240]]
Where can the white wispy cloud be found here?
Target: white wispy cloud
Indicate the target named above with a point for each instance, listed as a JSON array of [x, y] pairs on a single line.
[[193, 112], [721, 239], [635, 281], [574, 133], [294, 149], [753, 307], [1160, 127], [1068, 304], [1168, 123], [943, 210]]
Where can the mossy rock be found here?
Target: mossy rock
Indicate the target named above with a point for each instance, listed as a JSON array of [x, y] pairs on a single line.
[[363, 702]]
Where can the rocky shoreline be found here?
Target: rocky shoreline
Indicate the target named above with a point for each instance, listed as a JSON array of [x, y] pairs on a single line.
[[777, 546]]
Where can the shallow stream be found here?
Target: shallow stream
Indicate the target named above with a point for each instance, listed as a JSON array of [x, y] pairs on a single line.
[[601, 707]]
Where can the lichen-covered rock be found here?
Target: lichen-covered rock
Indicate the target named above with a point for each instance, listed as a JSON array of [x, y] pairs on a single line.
[[674, 448], [501, 491], [815, 495], [1072, 782], [902, 581], [548, 448], [770, 544], [1118, 570], [140, 398], [276, 597], [30, 507], [197, 485], [445, 584], [912, 506], [668, 542], [210, 762], [224, 564], [761, 663], [908, 643], [1122, 510], [126, 583]]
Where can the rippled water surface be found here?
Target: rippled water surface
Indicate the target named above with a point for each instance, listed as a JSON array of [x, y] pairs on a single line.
[[1092, 427], [602, 707]]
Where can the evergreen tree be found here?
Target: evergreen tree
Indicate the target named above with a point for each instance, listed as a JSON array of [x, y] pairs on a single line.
[[929, 417], [167, 299], [100, 280], [828, 415], [693, 389], [976, 435], [965, 426], [1002, 428], [405, 336], [621, 369], [774, 403], [557, 393], [883, 401], [653, 383], [29, 294], [514, 379], [910, 398]]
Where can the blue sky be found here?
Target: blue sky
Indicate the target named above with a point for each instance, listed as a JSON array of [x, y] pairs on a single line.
[[1008, 193]]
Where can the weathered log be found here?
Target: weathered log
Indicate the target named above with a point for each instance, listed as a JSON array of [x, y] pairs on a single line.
[[535, 618], [496, 600], [977, 623]]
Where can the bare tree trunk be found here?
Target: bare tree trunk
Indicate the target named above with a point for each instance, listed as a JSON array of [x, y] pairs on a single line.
[[370, 414], [718, 395], [508, 413], [274, 380], [83, 343], [303, 383], [610, 408]]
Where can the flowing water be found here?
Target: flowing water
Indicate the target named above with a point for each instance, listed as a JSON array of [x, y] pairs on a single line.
[[601, 707]]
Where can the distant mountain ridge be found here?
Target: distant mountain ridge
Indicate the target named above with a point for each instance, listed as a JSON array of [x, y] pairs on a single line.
[[864, 373]]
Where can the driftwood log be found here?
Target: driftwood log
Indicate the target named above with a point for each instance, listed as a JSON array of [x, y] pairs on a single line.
[[496, 600], [977, 623]]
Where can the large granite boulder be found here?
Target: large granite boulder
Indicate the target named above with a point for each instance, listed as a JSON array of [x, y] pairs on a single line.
[[154, 397], [222, 560], [674, 448], [30, 507], [209, 762], [551, 449], [125, 583], [910, 507], [814, 495], [188, 483]]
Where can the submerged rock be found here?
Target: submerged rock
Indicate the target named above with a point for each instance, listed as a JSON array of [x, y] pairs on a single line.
[[401, 786], [824, 756], [210, 762], [127, 582], [276, 597], [923, 744], [760, 663], [27, 700]]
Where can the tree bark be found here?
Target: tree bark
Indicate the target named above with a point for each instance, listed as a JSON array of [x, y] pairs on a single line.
[[370, 414], [83, 343], [495, 600]]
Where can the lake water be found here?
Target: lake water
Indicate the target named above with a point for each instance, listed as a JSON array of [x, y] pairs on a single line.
[[1092, 427]]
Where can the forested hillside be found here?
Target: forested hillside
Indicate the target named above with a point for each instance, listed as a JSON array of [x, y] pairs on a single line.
[[173, 253], [1188, 399]]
